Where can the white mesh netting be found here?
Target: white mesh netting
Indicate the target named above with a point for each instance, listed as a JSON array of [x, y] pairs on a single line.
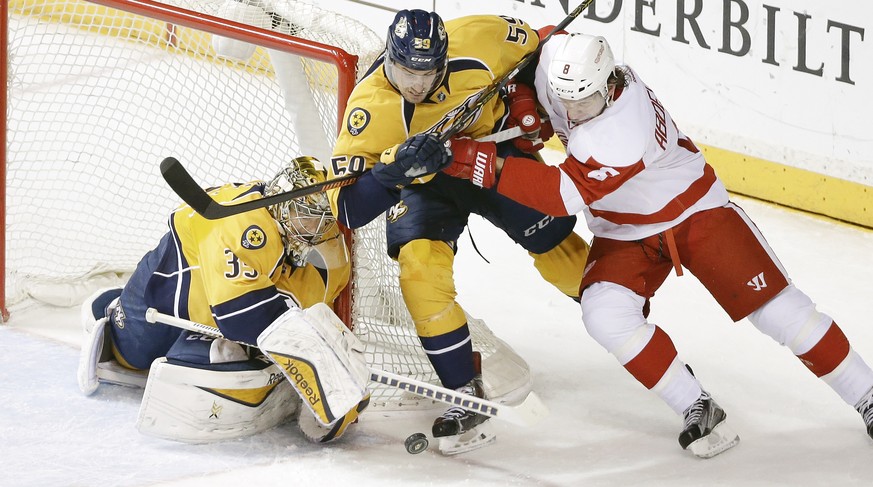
[[98, 97]]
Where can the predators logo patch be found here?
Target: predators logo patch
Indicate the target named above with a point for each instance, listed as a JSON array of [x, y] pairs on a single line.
[[118, 318], [358, 120], [397, 211], [253, 238]]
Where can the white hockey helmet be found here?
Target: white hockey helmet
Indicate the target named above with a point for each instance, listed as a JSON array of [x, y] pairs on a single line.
[[305, 221], [581, 66]]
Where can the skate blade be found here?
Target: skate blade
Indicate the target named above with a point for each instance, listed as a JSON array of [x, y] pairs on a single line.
[[722, 438], [478, 437]]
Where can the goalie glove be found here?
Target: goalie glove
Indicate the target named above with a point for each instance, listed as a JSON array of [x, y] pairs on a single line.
[[418, 156], [474, 161], [523, 113]]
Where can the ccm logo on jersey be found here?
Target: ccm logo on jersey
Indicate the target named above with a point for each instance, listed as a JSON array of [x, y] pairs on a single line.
[[538, 225]]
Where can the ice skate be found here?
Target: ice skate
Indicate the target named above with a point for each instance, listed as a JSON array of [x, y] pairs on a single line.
[[706, 432], [865, 407], [460, 430]]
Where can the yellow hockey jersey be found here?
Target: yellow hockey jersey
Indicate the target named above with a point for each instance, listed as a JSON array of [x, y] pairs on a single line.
[[481, 49], [232, 272]]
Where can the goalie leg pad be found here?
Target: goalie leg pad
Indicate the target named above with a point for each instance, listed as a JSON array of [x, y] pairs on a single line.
[[322, 359], [201, 404], [95, 348]]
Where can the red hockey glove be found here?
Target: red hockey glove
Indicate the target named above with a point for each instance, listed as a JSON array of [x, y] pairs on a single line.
[[523, 113], [545, 30], [473, 160]]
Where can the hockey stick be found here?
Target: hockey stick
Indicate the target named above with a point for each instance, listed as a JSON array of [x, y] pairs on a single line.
[[527, 413], [507, 134], [181, 182], [191, 193], [198, 199], [469, 113]]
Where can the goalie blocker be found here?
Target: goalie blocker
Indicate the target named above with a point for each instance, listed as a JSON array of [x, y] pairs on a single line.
[[323, 360]]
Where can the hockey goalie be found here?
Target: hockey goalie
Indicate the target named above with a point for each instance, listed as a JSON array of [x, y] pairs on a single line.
[[265, 277]]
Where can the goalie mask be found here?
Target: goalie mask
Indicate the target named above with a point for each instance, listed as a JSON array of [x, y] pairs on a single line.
[[416, 54], [305, 221]]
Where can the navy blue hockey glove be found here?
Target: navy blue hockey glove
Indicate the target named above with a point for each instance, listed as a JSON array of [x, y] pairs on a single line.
[[420, 155]]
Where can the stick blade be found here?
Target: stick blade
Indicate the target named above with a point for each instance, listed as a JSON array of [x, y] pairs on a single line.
[[181, 182], [528, 413]]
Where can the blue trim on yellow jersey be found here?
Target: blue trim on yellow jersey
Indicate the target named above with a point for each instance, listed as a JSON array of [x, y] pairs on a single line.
[[257, 188], [245, 317], [178, 264], [464, 64], [277, 267], [454, 66], [373, 67], [291, 297], [323, 273], [408, 113], [359, 203]]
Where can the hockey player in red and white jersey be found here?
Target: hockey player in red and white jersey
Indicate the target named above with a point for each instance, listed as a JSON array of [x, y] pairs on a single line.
[[654, 204]]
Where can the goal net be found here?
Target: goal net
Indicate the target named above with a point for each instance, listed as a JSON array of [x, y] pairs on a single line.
[[99, 93]]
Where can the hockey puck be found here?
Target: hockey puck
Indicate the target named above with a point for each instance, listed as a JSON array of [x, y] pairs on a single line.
[[416, 443]]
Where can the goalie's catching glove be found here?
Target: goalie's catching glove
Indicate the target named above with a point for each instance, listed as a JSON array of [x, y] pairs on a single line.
[[418, 156], [523, 113], [474, 161]]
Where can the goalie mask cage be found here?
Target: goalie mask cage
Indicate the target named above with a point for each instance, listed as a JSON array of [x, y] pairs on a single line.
[[99, 92]]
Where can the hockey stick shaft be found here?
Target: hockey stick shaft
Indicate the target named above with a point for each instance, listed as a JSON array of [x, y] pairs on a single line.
[[487, 93], [184, 185], [527, 413], [197, 198], [507, 134]]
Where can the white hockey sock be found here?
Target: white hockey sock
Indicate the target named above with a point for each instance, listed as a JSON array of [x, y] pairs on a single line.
[[678, 388], [851, 379]]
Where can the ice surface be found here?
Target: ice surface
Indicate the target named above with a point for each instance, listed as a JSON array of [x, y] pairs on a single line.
[[604, 428]]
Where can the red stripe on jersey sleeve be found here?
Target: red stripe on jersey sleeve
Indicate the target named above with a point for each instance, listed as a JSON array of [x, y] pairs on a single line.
[[671, 210], [532, 184]]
